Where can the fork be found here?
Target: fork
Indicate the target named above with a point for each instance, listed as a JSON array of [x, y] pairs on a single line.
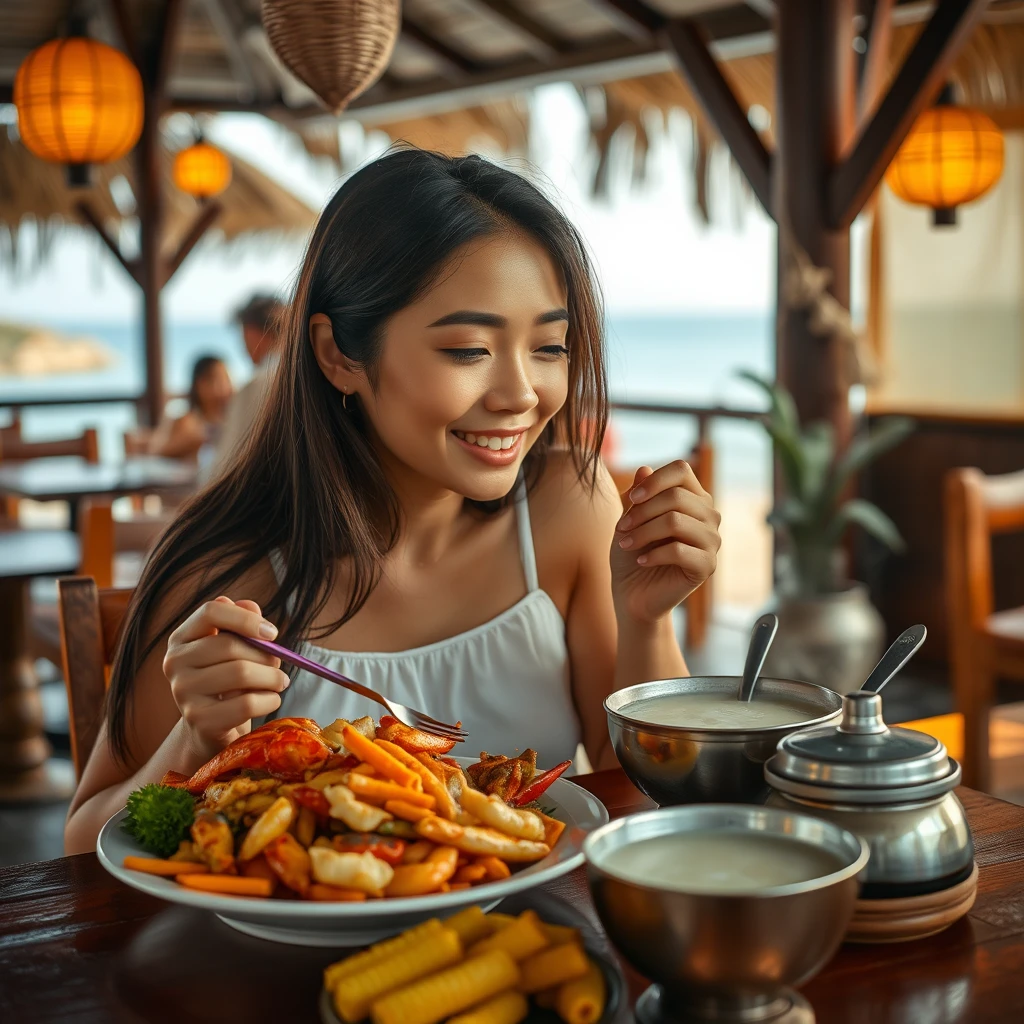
[[406, 715]]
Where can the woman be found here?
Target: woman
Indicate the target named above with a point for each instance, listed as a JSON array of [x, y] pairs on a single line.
[[208, 398], [402, 506]]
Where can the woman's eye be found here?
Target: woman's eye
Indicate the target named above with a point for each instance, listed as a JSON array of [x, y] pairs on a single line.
[[554, 350], [465, 355]]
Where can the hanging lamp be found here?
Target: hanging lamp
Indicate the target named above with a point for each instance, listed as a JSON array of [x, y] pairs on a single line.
[[201, 170], [79, 102], [952, 156]]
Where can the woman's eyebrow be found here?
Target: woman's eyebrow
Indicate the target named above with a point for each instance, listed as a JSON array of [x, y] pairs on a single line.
[[477, 318]]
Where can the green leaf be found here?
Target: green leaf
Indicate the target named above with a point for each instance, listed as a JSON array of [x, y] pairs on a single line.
[[818, 445], [865, 449], [789, 512], [869, 518], [783, 408], [790, 456]]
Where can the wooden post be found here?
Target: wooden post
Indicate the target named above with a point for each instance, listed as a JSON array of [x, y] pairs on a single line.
[[814, 126], [150, 206]]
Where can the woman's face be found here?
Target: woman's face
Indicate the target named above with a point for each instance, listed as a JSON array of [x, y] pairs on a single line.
[[472, 372], [214, 390]]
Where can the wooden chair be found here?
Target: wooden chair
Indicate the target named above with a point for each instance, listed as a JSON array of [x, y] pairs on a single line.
[[698, 604], [985, 645], [14, 449], [90, 624], [103, 538]]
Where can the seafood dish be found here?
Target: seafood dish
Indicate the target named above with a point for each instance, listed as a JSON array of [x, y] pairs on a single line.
[[350, 812], [471, 968]]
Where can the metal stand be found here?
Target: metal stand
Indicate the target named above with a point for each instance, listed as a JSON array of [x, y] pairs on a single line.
[[789, 1008]]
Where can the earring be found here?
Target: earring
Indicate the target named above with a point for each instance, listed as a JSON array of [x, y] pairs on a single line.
[[344, 400]]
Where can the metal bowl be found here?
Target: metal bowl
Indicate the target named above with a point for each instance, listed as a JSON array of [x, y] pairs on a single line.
[[675, 765], [726, 957]]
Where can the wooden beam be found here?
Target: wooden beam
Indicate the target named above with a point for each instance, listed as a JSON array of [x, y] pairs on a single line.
[[922, 75], [167, 39], [88, 214], [128, 37], [541, 40], [230, 34], [203, 222], [719, 102], [635, 18], [452, 62], [874, 63]]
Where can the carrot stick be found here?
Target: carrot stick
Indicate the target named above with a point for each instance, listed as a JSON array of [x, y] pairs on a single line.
[[164, 868], [334, 894], [231, 885], [407, 811], [376, 790], [385, 764]]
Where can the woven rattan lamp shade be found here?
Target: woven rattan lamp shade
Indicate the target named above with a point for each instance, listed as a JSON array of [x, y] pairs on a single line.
[[339, 48], [952, 156]]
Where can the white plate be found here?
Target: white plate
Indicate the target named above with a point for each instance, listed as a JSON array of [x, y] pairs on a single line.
[[306, 923]]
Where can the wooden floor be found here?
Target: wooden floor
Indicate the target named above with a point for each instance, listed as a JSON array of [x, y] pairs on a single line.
[[36, 833]]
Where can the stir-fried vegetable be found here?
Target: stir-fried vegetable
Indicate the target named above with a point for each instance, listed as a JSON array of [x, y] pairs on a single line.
[[159, 817]]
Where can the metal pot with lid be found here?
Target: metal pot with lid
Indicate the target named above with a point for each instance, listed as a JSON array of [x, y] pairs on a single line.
[[892, 787]]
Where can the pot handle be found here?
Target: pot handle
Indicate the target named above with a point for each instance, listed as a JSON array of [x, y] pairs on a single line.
[[906, 645]]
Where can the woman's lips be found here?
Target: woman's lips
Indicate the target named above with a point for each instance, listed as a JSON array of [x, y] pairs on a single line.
[[501, 447]]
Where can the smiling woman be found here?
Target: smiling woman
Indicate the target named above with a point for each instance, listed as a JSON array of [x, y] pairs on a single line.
[[422, 497]]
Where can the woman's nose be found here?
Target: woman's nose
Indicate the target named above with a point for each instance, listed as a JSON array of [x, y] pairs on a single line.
[[511, 390]]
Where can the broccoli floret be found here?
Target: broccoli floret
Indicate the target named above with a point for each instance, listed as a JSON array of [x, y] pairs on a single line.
[[159, 818]]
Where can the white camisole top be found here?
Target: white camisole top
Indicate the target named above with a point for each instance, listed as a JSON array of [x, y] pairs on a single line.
[[506, 680]]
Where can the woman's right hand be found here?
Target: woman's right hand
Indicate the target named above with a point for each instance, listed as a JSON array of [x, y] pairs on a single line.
[[218, 681]]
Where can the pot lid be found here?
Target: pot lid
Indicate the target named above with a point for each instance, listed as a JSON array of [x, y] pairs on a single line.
[[861, 753]]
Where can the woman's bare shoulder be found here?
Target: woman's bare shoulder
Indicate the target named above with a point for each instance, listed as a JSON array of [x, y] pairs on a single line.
[[572, 509]]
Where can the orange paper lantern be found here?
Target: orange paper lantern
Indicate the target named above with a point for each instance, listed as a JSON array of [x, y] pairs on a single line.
[[953, 155], [79, 102], [202, 170]]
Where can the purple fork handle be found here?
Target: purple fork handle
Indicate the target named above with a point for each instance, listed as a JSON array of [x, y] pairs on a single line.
[[293, 658]]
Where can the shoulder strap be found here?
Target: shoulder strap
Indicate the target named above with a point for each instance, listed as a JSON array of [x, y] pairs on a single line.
[[526, 551]]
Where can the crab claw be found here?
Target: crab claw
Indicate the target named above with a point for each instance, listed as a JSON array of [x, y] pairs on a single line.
[[286, 753], [412, 741]]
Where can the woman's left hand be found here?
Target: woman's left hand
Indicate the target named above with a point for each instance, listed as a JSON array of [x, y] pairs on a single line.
[[666, 545]]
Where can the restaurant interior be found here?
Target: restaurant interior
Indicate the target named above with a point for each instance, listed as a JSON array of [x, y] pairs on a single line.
[[883, 141]]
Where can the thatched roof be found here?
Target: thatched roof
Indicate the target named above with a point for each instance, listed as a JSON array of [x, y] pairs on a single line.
[[32, 190]]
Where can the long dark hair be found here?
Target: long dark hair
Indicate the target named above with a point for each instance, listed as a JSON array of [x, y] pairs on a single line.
[[203, 365], [308, 482]]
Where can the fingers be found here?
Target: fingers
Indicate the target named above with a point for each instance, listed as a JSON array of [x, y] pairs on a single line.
[[244, 618], [698, 564], [229, 676], [675, 474], [672, 526], [214, 650], [673, 499], [216, 717]]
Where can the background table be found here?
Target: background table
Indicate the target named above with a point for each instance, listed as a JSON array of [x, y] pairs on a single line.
[[25, 771], [78, 946]]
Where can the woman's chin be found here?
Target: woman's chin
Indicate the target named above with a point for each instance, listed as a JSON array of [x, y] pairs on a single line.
[[487, 485]]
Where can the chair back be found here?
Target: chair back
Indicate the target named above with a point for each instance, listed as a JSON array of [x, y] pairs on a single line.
[[14, 449], [90, 625], [103, 537]]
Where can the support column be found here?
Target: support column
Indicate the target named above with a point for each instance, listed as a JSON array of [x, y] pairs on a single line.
[[814, 126], [150, 206]]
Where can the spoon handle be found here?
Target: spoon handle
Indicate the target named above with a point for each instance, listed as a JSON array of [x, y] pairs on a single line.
[[903, 649], [761, 638]]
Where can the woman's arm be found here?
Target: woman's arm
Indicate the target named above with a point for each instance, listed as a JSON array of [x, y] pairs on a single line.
[[180, 439]]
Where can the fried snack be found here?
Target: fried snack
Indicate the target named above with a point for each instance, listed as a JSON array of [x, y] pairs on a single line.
[[416, 853], [186, 851], [333, 973], [273, 822], [289, 860], [406, 811], [443, 995], [508, 1008], [493, 811], [332, 735], [481, 841], [553, 829], [559, 934], [500, 920], [333, 894], [387, 765], [230, 885], [331, 778], [357, 815], [214, 842], [521, 939], [430, 876], [377, 791], [354, 995], [581, 1001], [164, 868], [552, 967], [471, 873], [495, 868], [360, 871], [471, 925]]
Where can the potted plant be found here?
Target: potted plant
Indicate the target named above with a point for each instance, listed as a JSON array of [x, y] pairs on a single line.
[[829, 632]]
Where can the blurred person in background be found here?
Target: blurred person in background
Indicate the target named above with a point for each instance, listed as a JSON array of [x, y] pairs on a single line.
[[195, 434], [260, 320]]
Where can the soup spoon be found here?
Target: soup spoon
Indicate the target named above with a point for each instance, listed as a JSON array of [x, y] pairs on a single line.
[[905, 646], [761, 638]]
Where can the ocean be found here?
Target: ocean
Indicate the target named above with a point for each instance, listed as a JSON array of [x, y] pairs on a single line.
[[690, 359]]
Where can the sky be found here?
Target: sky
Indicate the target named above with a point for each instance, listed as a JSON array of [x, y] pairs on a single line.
[[653, 254]]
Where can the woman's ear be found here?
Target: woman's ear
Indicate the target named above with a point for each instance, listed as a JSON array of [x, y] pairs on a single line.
[[341, 371]]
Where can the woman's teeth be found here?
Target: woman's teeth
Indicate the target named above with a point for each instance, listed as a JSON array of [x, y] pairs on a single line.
[[483, 441]]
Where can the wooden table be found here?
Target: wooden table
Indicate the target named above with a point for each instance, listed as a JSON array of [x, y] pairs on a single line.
[[71, 479], [26, 773], [78, 947]]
